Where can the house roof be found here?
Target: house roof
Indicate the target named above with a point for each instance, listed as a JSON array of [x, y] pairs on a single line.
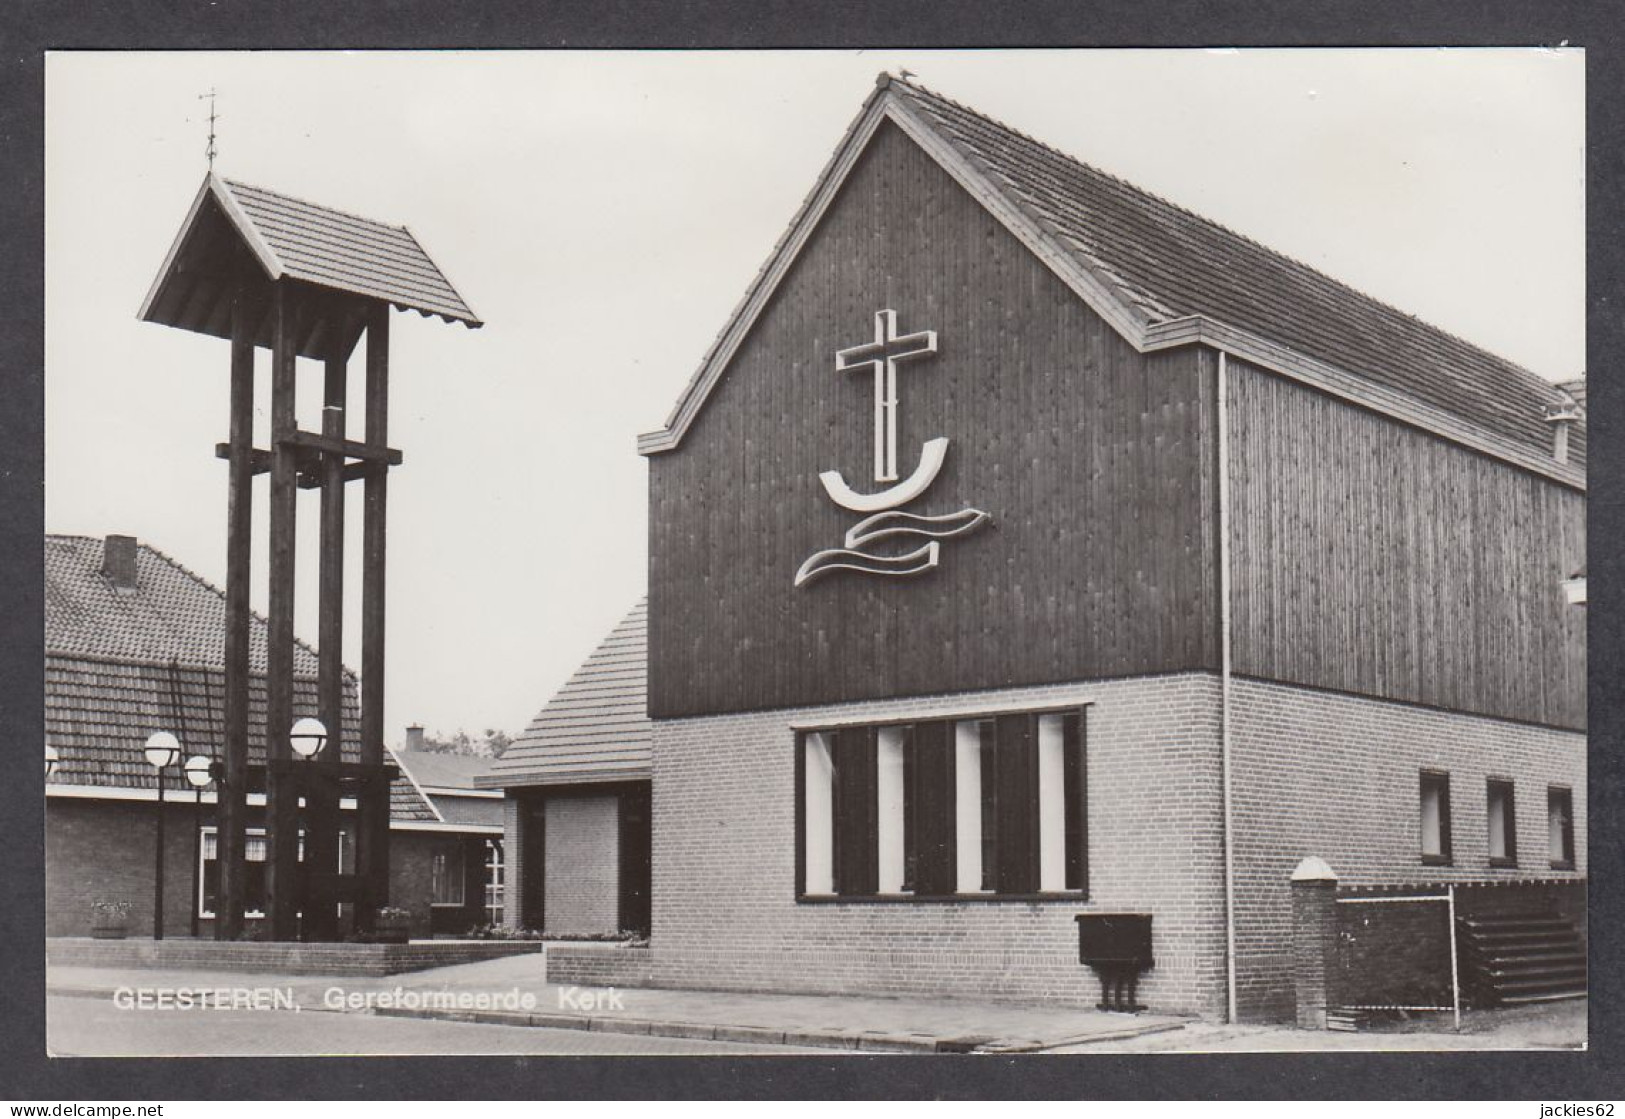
[[446, 781], [596, 728], [231, 222], [1164, 276], [121, 665], [432, 769]]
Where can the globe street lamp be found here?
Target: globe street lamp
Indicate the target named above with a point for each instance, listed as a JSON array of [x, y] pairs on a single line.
[[307, 737], [199, 772], [162, 750]]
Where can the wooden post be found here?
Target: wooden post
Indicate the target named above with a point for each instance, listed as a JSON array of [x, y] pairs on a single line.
[[322, 794], [282, 795], [231, 790], [372, 848]]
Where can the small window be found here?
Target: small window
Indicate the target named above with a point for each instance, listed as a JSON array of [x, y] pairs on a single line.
[[1435, 818], [494, 883], [446, 878], [255, 852], [1560, 827], [1502, 816]]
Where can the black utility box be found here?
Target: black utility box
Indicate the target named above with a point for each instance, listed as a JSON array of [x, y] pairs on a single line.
[[1118, 947], [1115, 938]]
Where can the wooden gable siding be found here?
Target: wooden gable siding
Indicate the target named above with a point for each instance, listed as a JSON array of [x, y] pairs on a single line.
[[1372, 558], [1094, 461]]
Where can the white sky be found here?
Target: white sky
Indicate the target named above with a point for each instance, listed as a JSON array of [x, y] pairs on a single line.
[[603, 212]]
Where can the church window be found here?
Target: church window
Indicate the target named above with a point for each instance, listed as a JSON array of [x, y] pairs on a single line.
[[1435, 817], [940, 809]]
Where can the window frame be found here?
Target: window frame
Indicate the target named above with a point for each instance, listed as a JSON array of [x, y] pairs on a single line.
[[1075, 824], [1567, 859], [496, 880], [1445, 855], [1509, 822], [457, 857], [203, 861]]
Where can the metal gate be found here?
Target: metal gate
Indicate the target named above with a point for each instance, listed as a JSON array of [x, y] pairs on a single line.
[[1447, 899]]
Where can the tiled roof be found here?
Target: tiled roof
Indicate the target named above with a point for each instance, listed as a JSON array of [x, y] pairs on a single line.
[[597, 727], [1166, 276], [355, 254], [483, 811], [119, 666], [245, 240], [175, 615], [432, 769], [1170, 262]]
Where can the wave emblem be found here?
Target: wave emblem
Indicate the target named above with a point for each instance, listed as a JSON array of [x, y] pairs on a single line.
[[891, 525]]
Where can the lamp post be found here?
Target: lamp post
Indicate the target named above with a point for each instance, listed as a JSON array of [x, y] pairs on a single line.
[[307, 737], [199, 772], [163, 750]]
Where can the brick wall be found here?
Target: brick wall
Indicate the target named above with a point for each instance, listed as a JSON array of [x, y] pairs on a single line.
[[583, 852], [411, 860], [725, 914], [104, 851], [1315, 773]]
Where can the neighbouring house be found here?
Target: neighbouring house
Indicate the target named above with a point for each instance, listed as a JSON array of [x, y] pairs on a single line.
[[454, 863], [1028, 547], [577, 797], [133, 645]]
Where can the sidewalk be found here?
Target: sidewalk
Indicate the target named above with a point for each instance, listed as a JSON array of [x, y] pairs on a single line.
[[827, 1021]]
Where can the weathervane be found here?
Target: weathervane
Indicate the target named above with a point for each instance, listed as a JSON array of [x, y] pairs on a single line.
[[210, 150]]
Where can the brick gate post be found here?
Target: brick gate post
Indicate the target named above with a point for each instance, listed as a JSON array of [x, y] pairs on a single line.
[[1314, 938]]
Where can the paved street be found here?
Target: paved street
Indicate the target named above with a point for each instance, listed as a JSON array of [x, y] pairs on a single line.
[[86, 1027]]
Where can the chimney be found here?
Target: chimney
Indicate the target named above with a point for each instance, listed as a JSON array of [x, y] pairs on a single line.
[[1562, 417], [1577, 390], [118, 563], [414, 738]]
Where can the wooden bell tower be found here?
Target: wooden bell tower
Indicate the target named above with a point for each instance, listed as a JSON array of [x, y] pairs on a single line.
[[301, 281]]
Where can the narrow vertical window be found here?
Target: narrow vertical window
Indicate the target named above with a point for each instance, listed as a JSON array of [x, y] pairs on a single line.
[[968, 806], [889, 822], [1435, 817], [931, 824], [856, 818], [1560, 827], [1502, 817], [1051, 804], [1077, 803], [988, 762], [1017, 804], [494, 882], [818, 829]]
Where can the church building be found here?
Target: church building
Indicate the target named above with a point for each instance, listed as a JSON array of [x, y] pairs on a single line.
[[1027, 546]]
